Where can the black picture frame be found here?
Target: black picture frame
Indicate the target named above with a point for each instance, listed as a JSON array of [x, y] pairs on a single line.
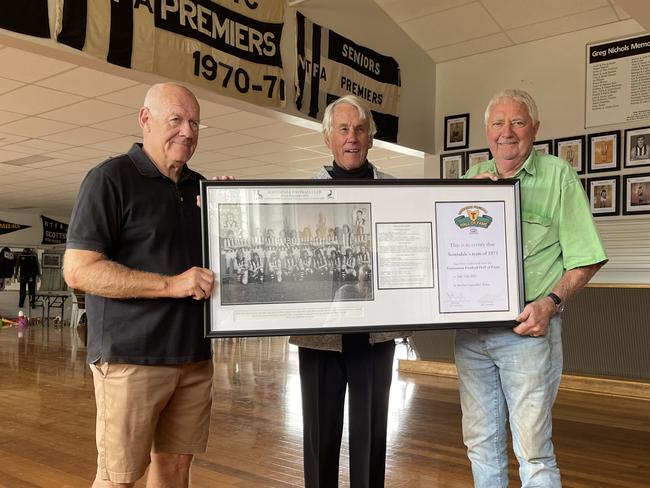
[[632, 157], [477, 156], [452, 165], [604, 195], [572, 150], [545, 146], [636, 194], [604, 149], [402, 219], [456, 132]]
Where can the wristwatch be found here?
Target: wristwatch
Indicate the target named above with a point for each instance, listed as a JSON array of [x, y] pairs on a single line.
[[559, 306]]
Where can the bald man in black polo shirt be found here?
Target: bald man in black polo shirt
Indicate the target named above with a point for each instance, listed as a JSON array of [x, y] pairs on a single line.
[[134, 246]]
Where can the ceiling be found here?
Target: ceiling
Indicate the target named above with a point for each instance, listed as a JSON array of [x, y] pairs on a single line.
[[451, 29], [59, 119]]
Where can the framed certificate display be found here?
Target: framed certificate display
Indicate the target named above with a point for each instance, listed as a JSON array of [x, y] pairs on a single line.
[[332, 256]]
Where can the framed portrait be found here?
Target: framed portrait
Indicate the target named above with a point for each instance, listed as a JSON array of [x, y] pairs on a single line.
[[637, 147], [477, 156], [603, 193], [452, 165], [456, 132], [545, 147], [51, 260], [331, 256], [572, 150], [604, 149], [636, 194]]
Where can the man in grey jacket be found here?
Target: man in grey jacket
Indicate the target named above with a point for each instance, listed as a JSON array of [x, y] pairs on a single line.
[[361, 362]]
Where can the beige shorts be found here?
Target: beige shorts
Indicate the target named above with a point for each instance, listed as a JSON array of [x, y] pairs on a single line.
[[143, 409]]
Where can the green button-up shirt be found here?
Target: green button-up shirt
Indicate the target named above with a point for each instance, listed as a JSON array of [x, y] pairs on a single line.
[[559, 232]]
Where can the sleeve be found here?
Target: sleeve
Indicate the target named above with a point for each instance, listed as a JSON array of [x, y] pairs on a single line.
[[95, 220], [578, 234]]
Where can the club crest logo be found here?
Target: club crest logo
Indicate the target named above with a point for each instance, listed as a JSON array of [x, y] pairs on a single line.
[[473, 217]]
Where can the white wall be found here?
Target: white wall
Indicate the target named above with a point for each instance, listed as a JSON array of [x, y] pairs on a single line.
[[553, 71]]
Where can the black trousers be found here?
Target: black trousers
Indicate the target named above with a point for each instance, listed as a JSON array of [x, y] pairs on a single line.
[[366, 370], [27, 284]]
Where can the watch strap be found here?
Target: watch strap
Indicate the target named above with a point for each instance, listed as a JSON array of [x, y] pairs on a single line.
[[559, 306], [556, 299]]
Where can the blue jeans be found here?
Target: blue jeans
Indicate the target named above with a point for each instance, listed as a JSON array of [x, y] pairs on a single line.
[[506, 377]]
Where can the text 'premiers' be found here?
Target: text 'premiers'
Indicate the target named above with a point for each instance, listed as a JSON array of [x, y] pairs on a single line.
[[222, 29]]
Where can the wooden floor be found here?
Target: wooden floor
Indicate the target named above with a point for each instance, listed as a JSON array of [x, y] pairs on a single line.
[[47, 423]]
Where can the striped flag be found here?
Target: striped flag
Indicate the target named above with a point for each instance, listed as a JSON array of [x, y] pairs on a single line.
[[330, 66], [233, 50], [25, 16]]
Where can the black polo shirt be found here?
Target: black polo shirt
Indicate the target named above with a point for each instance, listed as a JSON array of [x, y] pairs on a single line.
[[127, 210]]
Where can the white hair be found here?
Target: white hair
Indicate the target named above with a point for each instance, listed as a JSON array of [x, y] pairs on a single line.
[[517, 95], [356, 102]]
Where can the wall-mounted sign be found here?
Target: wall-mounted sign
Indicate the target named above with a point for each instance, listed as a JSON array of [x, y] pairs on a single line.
[[230, 47], [330, 66], [618, 81]]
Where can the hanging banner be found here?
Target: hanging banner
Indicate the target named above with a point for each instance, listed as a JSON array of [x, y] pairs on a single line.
[[231, 47], [27, 17], [618, 81], [9, 227], [54, 232], [330, 66]]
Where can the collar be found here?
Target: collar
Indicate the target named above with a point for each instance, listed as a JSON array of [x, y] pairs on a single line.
[[529, 166], [367, 167], [148, 169]]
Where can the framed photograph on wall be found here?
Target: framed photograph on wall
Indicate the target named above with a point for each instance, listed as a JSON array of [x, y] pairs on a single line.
[[51, 260], [477, 156], [452, 165], [637, 147], [603, 195], [604, 149], [636, 194], [456, 132], [572, 150], [545, 147]]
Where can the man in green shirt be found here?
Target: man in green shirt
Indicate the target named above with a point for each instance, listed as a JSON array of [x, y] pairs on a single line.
[[514, 374]]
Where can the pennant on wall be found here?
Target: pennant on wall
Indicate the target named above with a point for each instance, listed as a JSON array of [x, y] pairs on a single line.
[[232, 48], [9, 227], [330, 66], [26, 16], [54, 232]]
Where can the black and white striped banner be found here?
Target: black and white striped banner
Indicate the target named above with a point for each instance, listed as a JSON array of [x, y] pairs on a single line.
[[234, 51], [330, 66], [26, 16]]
